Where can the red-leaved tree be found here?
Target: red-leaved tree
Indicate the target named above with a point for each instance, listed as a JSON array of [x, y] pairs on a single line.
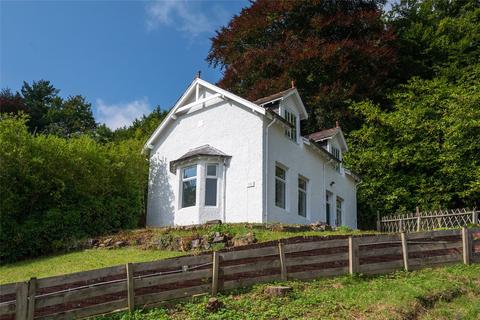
[[335, 51]]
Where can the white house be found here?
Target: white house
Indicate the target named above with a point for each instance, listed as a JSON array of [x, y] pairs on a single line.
[[217, 156]]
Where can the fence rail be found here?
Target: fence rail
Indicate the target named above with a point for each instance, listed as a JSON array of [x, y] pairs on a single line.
[[428, 220], [106, 290]]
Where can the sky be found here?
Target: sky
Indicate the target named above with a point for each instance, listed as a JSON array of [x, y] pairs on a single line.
[[125, 57]]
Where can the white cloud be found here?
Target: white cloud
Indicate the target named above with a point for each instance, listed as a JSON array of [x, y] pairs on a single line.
[[183, 15], [121, 114]]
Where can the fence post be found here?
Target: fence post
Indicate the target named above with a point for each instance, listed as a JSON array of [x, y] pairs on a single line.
[[32, 289], [21, 303], [404, 250], [130, 287], [379, 222], [215, 273], [466, 245], [419, 220], [474, 217], [283, 265], [353, 259], [400, 225]]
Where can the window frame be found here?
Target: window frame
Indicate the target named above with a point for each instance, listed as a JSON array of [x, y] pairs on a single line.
[[183, 180], [291, 117], [212, 177], [282, 181], [303, 191], [328, 207], [338, 213]]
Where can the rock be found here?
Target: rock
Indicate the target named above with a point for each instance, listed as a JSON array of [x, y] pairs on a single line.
[[277, 291], [218, 239], [92, 242], [244, 240], [101, 245], [107, 242], [213, 222], [195, 243], [119, 244], [320, 226], [214, 304]]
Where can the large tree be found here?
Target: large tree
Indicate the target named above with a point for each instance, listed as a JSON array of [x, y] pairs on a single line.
[[424, 152], [334, 51], [436, 37]]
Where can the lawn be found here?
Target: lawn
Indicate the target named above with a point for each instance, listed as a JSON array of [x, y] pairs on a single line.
[[77, 261], [443, 293], [99, 258]]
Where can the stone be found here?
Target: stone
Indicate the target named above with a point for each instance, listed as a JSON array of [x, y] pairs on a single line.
[[119, 244], [277, 291], [101, 245], [107, 242], [92, 242], [244, 240], [218, 239], [195, 243], [214, 304]]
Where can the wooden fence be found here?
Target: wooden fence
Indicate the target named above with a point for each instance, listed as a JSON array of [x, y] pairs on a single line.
[[148, 284], [428, 220]]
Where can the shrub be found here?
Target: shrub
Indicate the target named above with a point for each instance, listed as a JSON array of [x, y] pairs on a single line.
[[55, 191]]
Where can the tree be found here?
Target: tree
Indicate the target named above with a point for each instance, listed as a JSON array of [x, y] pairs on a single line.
[[39, 98], [71, 117], [11, 103], [424, 152], [334, 51], [436, 37], [141, 128]]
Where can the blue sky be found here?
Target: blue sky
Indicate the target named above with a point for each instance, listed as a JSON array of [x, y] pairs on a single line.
[[125, 56]]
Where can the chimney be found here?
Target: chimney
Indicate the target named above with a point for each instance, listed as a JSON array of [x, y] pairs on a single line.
[[198, 74], [293, 84], [337, 124]]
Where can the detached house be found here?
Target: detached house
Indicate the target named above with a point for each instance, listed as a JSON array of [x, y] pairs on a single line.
[[217, 156]]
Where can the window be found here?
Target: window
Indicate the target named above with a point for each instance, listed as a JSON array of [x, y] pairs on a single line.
[[302, 197], [339, 211], [291, 133], [211, 185], [280, 182], [189, 186], [336, 153], [328, 207]]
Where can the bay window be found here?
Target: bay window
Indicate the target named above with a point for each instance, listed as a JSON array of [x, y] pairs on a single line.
[[302, 196], [211, 179], [189, 186]]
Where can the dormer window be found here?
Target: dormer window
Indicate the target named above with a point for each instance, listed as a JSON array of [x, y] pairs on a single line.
[[291, 118], [336, 153]]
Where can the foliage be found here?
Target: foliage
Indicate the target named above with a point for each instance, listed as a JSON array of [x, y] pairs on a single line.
[[142, 128], [334, 50], [436, 37], [424, 152], [48, 112], [77, 261], [400, 295], [56, 190]]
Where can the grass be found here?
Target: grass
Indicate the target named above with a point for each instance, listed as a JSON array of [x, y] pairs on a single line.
[[77, 261], [444, 293], [93, 258]]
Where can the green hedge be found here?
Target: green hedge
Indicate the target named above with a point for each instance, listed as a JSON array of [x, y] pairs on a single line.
[[55, 191]]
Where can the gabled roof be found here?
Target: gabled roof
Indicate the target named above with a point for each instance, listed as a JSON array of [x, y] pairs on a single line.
[[283, 95], [202, 151], [221, 94], [327, 134]]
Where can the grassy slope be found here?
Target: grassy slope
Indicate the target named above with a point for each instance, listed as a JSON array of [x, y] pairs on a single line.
[[77, 261], [443, 293], [93, 259]]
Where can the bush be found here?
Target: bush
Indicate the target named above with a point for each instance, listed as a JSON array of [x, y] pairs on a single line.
[[55, 191]]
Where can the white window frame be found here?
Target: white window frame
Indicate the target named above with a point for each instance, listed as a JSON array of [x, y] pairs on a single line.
[[291, 117], [305, 192], [207, 176], [183, 179], [339, 211], [284, 181]]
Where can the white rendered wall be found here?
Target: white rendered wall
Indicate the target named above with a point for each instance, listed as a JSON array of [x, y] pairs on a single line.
[[304, 160], [233, 129]]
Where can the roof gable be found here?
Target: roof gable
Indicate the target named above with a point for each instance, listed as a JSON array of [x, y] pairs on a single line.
[[283, 95], [186, 102], [327, 134]]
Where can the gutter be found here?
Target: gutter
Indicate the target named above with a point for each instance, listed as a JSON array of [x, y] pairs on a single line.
[[265, 193]]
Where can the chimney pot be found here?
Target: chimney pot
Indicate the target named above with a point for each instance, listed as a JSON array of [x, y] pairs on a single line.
[[337, 124]]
